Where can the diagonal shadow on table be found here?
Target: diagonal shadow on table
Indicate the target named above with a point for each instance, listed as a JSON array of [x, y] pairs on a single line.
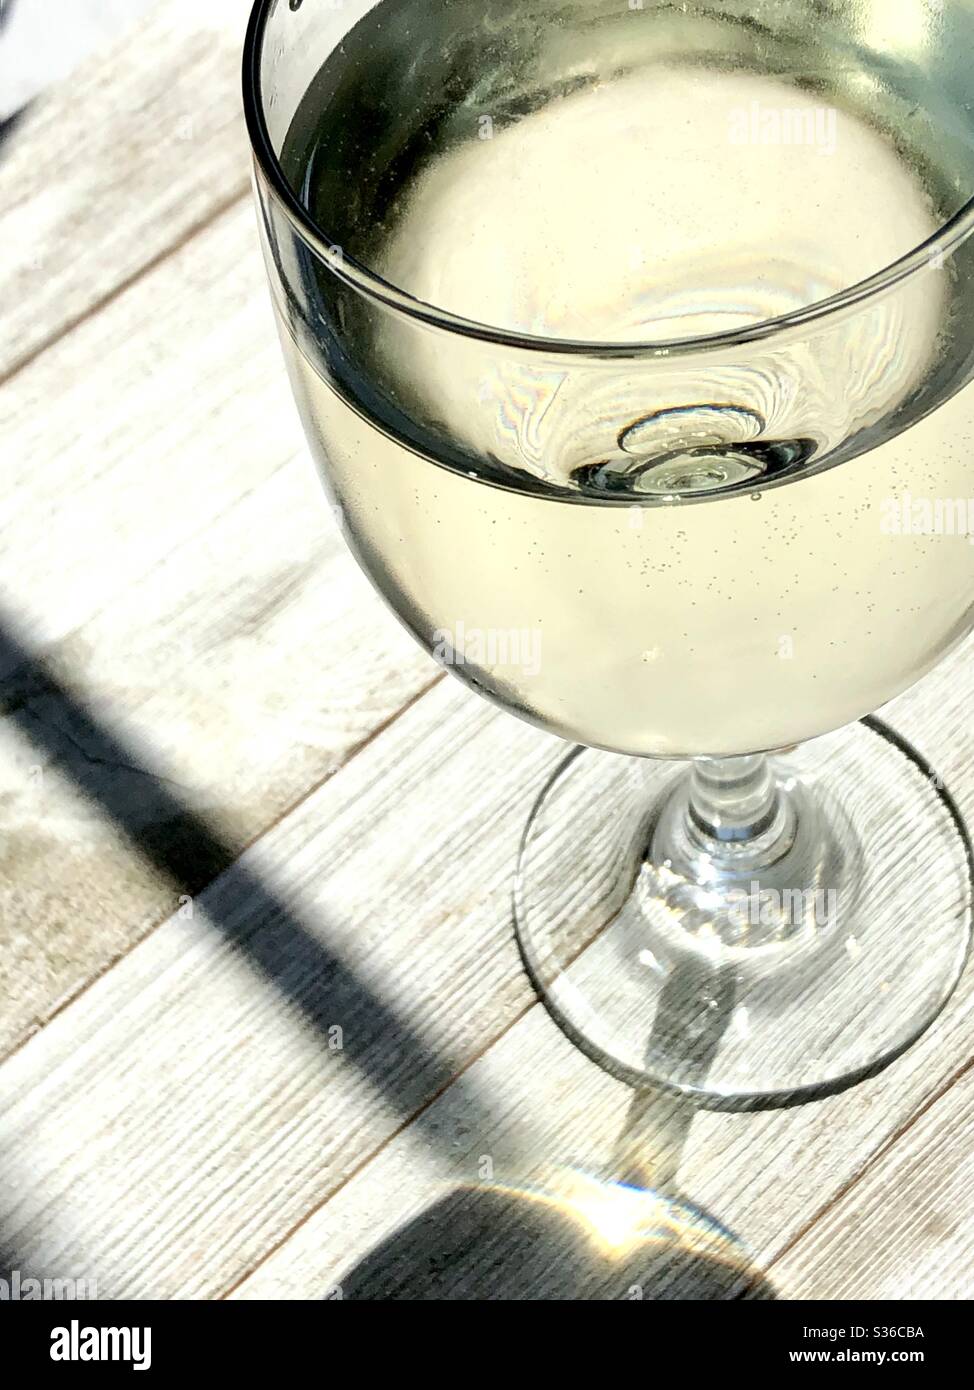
[[8, 125], [294, 959], [384, 1046]]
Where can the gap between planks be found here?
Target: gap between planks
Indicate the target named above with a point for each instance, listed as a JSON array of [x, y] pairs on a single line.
[[282, 815], [67, 328], [920, 701], [893, 1142], [370, 1157], [70, 325]]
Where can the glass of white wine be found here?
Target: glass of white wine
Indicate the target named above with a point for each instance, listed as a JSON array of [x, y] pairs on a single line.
[[634, 341]]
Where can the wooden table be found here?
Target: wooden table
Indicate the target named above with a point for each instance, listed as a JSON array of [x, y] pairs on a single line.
[[262, 1006]]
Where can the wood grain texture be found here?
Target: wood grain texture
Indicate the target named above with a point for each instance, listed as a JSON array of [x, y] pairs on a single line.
[[165, 543], [42, 44], [193, 590], [557, 1111], [317, 1062], [740, 1172], [167, 1128], [407, 895], [134, 432], [907, 1230], [104, 175]]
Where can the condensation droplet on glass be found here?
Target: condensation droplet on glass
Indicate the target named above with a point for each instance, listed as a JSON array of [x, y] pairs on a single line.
[[756, 496]]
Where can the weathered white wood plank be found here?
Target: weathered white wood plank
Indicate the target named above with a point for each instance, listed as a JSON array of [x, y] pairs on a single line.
[[555, 1116], [760, 1178], [556, 1110], [161, 522], [189, 1108], [175, 1123], [186, 1060], [42, 44], [906, 1231], [139, 428], [239, 673], [162, 527], [104, 174]]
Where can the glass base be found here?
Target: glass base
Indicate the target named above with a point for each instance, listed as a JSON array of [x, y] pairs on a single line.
[[804, 960]]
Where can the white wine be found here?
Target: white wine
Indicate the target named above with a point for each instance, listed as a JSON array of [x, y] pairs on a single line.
[[669, 552]]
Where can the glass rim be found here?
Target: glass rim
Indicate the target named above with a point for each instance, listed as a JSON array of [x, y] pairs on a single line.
[[359, 277]]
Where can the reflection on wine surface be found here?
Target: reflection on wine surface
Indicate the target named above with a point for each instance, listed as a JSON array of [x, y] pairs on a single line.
[[634, 341]]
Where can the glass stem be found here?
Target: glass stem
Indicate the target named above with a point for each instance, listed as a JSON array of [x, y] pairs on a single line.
[[732, 799], [731, 819]]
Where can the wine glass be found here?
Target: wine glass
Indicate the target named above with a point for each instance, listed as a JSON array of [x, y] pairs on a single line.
[[633, 341]]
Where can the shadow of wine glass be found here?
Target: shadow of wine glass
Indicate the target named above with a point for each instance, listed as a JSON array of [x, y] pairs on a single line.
[[570, 1237], [627, 1234]]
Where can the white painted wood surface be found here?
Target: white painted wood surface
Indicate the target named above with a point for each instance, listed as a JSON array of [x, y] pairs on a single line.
[[184, 568], [140, 150], [240, 810], [41, 44]]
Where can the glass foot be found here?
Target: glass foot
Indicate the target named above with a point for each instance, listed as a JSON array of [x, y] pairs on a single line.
[[749, 932]]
